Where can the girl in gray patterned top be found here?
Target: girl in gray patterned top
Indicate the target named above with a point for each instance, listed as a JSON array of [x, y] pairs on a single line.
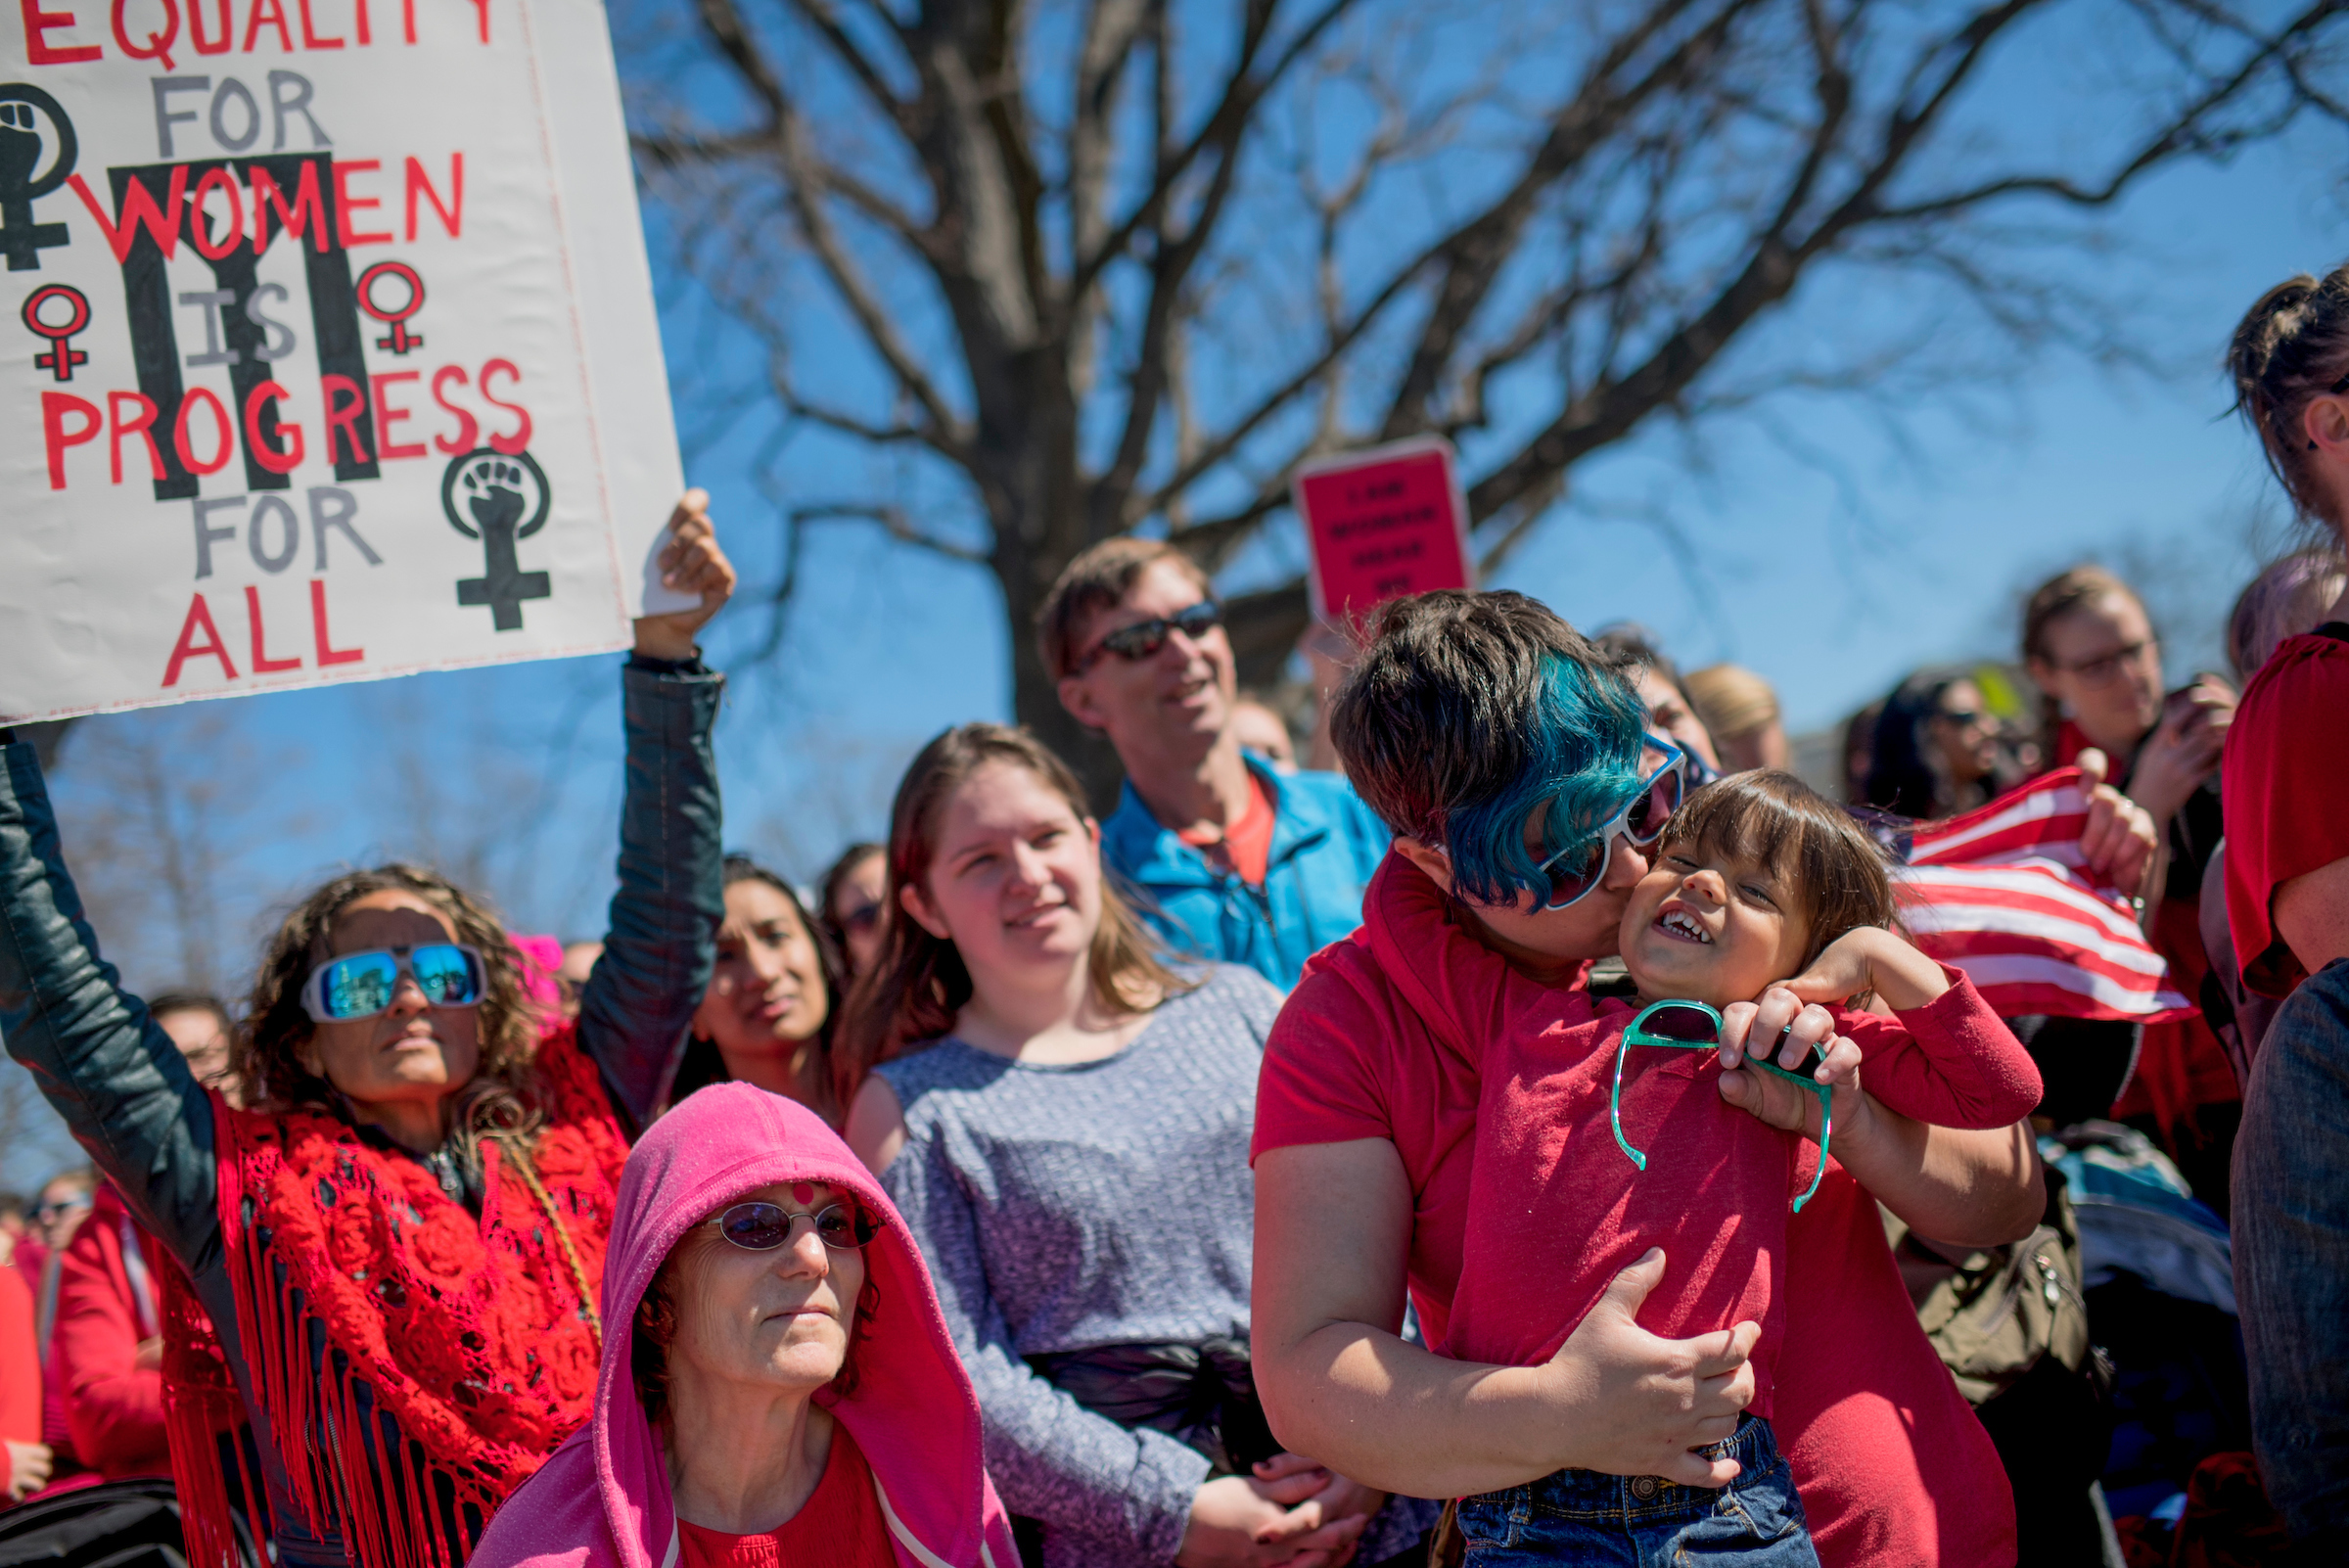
[[1064, 1122]]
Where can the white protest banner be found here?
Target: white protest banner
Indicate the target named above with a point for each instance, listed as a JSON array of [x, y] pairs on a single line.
[[327, 347]]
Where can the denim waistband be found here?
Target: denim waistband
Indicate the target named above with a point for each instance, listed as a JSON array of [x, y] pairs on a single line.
[[1596, 1495]]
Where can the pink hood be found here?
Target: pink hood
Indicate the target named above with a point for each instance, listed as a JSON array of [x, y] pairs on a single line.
[[602, 1500]]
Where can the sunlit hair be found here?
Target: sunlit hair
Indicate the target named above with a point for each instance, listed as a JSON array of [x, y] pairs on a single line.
[[1466, 712], [2291, 348], [2287, 598], [917, 985], [1835, 870], [499, 1098]]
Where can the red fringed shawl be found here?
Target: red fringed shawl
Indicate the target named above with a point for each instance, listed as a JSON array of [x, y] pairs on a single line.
[[361, 1287]]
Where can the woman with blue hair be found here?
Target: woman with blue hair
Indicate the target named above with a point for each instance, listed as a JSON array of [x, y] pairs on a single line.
[[1512, 763]]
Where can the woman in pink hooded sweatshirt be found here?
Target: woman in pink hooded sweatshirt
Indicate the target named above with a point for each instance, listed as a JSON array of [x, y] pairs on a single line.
[[776, 1386]]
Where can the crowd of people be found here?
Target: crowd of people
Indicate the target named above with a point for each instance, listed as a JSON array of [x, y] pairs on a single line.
[[1260, 1172]]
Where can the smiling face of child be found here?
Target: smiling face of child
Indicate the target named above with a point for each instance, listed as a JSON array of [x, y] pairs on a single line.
[[1711, 924]]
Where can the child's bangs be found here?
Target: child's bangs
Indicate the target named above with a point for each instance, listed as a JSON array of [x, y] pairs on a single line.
[[1731, 818], [1803, 840]]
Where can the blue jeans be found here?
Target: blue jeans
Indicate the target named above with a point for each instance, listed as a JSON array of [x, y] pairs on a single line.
[[2291, 1255], [1582, 1516]]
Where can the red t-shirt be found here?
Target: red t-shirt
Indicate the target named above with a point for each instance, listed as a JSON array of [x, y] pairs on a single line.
[[1247, 844], [2286, 790], [1894, 1469], [839, 1526], [1557, 1210]]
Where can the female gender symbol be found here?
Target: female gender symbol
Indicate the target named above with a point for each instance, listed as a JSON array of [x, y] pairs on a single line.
[[401, 339], [61, 356]]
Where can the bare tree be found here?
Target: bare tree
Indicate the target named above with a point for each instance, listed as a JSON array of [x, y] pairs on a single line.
[[157, 811], [1065, 270]]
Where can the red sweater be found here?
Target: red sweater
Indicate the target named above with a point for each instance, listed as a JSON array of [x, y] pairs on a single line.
[[105, 1306], [1894, 1471]]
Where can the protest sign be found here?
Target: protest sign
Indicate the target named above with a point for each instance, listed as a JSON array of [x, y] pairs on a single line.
[[1381, 523], [327, 347]]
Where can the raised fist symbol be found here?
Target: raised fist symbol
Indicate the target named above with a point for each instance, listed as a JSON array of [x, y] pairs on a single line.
[[492, 495], [19, 145]]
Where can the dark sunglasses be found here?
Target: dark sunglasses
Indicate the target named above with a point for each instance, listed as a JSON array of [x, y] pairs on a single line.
[[1696, 1026], [1146, 637], [864, 917], [1582, 865], [764, 1226], [361, 984]]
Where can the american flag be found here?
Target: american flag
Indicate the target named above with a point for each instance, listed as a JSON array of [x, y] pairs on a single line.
[[2002, 893]]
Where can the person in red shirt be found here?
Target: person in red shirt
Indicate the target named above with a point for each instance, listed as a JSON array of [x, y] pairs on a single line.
[[1366, 1121], [2092, 651], [107, 1348], [2285, 788], [1756, 879], [25, 1460], [105, 1344]]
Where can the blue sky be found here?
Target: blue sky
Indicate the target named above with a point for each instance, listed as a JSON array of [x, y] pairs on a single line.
[[1823, 554]]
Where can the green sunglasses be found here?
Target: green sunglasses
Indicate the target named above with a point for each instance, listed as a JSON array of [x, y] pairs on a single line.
[[1691, 1026]]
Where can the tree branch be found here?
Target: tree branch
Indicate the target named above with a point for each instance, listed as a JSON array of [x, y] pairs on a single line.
[[818, 15], [1222, 129], [893, 521]]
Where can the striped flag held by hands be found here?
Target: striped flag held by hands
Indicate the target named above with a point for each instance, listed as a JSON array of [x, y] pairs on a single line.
[[2002, 893]]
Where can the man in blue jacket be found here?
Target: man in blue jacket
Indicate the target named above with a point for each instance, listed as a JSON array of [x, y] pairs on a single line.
[[1231, 861]]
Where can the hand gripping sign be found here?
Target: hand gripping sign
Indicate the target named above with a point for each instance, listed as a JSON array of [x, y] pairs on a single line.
[[1381, 523], [330, 350]]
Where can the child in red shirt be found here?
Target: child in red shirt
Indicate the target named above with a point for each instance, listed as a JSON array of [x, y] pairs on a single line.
[[1757, 879]]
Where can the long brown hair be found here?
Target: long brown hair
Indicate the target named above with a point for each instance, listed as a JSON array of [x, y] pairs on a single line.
[[500, 1097], [2290, 347], [909, 997]]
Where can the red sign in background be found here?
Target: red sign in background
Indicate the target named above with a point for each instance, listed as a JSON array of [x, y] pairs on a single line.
[[1382, 523]]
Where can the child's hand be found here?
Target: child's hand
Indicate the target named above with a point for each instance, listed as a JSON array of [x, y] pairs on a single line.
[[1780, 1008], [1869, 958], [1773, 1100], [1841, 1068]]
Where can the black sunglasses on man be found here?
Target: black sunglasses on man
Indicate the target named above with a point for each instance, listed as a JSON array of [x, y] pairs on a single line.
[[1144, 638]]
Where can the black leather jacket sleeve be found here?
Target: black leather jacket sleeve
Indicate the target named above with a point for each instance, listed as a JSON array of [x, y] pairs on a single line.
[[662, 939], [98, 1056]]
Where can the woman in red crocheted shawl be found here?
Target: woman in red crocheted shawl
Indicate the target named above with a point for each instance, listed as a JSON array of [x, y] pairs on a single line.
[[400, 1239]]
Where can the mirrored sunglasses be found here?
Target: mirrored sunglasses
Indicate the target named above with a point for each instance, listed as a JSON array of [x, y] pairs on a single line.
[[1582, 865], [764, 1226], [361, 984], [1146, 637], [1696, 1026]]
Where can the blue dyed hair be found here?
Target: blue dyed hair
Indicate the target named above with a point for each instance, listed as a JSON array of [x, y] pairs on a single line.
[[1580, 744]]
